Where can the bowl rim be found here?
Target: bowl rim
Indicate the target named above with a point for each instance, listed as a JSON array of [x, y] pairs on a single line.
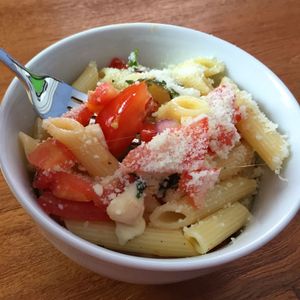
[[126, 260]]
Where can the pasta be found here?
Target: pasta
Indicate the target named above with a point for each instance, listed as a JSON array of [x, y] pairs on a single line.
[[28, 143], [214, 229], [88, 79], [260, 132], [196, 73], [158, 162], [84, 143], [240, 157], [179, 213], [165, 243], [182, 107]]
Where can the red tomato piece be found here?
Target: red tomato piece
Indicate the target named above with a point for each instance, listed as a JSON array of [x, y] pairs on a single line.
[[172, 151], [72, 186], [123, 118], [102, 96], [82, 211], [148, 132], [237, 116], [50, 155], [84, 116], [196, 184], [117, 63], [80, 113], [43, 179]]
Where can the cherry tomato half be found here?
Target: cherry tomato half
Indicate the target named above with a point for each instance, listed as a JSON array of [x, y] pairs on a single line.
[[123, 117]]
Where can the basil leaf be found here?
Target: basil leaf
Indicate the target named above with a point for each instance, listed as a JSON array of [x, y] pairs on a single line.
[[133, 58], [140, 186], [130, 81]]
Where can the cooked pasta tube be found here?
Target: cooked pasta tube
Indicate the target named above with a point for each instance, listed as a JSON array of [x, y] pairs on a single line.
[[154, 241], [87, 144], [213, 230], [211, 66], [179, 213], [88, 79], [190, 74], [39, 132], [240, 157], [182, 107], [260, 133], [28, 143]]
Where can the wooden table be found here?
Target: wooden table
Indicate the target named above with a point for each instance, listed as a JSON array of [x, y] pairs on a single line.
[[30, 268]]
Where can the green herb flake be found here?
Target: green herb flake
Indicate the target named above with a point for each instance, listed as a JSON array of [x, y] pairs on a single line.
[[173, 93], [140, 186], [133, 58], [129, 81]]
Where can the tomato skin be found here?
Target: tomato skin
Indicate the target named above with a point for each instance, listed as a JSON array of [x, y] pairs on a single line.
[[84, 116], [196, 189], [51, 154], [101, 96], [74, 187], [81, 211], [42, 180], [117, 63], [123, 118], [80, 113], [148, 132], [68, 186]]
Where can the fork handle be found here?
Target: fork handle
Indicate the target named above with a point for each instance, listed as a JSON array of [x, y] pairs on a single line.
[[20, 71]]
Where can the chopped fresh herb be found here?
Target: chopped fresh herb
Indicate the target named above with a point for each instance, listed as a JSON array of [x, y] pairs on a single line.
[[173, 93], [163, 84], [140, 186], [169, 182], [130, 81], [133, 58]]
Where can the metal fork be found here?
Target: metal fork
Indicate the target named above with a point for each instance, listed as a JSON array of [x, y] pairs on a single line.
[[49, 96]]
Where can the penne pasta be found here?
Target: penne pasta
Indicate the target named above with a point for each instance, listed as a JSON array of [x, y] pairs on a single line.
[[160, 242], [216, 228], [28, 143], [240, 157], [260, 133], [39, 132], [179, 213], [88, 79], [182, 107], [86, 143]]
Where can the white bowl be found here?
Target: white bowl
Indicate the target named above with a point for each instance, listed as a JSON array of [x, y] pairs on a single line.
[[276, 204]]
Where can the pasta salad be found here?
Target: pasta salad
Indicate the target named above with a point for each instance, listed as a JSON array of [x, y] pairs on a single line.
[[158, 162]]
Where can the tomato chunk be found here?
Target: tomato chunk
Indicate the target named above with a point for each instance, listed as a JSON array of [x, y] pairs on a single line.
[[50, 155], [80, 113], [43, 179], [117, 63], [72, 186], [102, 96], [148, 132], [196, 184], [123, 117], [83, 211], [174, 150]]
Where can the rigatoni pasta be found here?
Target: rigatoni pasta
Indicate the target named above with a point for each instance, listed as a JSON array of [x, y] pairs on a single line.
[[159, 162], [180, 213], [214, 229], [163, 243]]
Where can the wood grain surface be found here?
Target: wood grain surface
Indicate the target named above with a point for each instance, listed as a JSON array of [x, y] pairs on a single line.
[[30, 268]]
